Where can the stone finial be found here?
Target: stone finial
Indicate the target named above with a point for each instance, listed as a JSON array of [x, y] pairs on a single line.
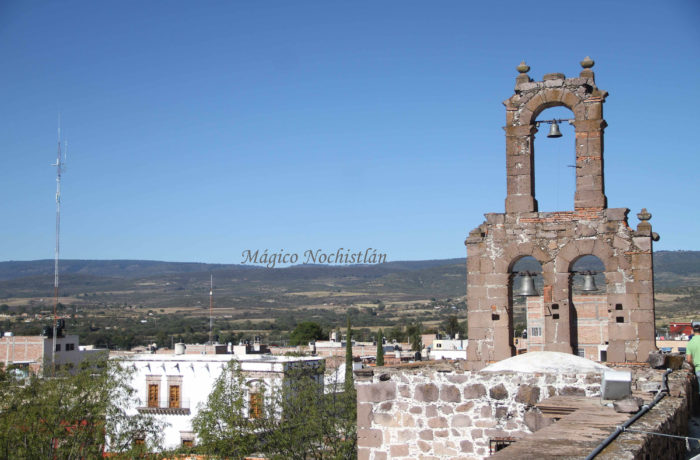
[[587, 62], [523, 68], [644, 215], [644, 226]]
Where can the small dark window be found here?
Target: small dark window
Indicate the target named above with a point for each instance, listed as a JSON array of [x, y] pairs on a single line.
[[555, 316], [620, 319], [58, 347], [603, 356], [555, 306], [618, 306], [495, 317]]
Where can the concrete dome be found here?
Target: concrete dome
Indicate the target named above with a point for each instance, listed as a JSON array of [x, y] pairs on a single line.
[[546, 361]]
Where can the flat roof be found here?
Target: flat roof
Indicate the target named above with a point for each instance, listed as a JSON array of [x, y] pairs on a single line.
[[218, 358]]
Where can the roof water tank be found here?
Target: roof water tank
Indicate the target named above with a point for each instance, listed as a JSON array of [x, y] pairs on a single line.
[[616, 385], [180, 348]]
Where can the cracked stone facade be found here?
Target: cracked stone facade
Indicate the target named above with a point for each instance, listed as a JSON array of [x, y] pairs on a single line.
[[558, 239]]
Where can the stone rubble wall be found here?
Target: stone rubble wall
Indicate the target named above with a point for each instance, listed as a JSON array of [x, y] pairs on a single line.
[[436, 413]]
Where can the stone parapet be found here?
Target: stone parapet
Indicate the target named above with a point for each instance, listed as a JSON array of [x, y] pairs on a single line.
[[442, 411]]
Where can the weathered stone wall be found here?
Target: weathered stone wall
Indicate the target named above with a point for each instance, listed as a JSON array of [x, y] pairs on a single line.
[[445, 412]]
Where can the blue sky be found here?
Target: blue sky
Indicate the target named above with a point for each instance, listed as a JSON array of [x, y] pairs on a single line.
[[198, 130]]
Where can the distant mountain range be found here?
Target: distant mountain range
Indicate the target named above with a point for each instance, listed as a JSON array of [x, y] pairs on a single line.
[[676, 262], [155, 281]]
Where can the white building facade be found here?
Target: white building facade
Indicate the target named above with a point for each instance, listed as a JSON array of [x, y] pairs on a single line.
[[173, 386]]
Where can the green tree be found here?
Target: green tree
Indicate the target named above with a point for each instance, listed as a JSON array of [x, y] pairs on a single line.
[[380, 348], [298, 418], [414, 332], [306, 332], [73, 414], [223, 424], [452, 327]]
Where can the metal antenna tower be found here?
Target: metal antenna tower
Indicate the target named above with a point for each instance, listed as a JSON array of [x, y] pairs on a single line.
[[59, 169], [211, 305]]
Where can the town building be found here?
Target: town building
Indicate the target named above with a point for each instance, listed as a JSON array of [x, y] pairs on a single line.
[[30, 353], [448, 349], [173, 386]]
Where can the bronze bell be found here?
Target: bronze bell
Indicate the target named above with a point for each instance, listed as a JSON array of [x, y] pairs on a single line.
[[527, 286], [554, 130], [589, 282]]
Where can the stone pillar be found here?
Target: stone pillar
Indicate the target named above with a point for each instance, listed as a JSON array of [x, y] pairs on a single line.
[[520, 168], [589, 160]]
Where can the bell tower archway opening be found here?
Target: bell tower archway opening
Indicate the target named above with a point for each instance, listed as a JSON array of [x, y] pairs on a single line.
[[526, 285], [555, 162]]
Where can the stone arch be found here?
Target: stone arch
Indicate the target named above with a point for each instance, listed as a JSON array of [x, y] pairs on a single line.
[[531, 98], [574, 250], [516, 251], [549, 98]]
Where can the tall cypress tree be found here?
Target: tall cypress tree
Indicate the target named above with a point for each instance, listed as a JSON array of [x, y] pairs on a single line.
[[380, 348], [348, 359]]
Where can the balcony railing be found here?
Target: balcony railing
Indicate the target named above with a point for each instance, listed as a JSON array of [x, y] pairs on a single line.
[[165, 406]]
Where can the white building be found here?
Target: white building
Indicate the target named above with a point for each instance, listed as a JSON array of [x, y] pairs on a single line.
[[448, 349], [172, 386]]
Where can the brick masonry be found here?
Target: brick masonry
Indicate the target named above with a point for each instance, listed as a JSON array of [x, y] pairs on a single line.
[[558, 239]]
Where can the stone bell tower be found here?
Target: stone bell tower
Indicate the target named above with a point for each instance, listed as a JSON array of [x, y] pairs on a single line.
[[558, 239]]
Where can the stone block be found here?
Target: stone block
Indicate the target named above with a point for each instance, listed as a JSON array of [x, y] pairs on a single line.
[[363, 454], [501, 412], [426, 435], [437, 422], [388, 420], [629, 405], [528, 394], [424, 446], [466, 407], [380, 456], [386, 406], [364, 415], [376, 392], [498, 392], [441, 433], [369, 438], [475, 390], [416, 410], [674, 361], [398, 451], [427, 392], [461, 420], [466, 446], [450, 393], [431, 411], [534, 420]]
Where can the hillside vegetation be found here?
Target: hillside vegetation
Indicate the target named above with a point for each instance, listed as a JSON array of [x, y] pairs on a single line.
[[127, 302]]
